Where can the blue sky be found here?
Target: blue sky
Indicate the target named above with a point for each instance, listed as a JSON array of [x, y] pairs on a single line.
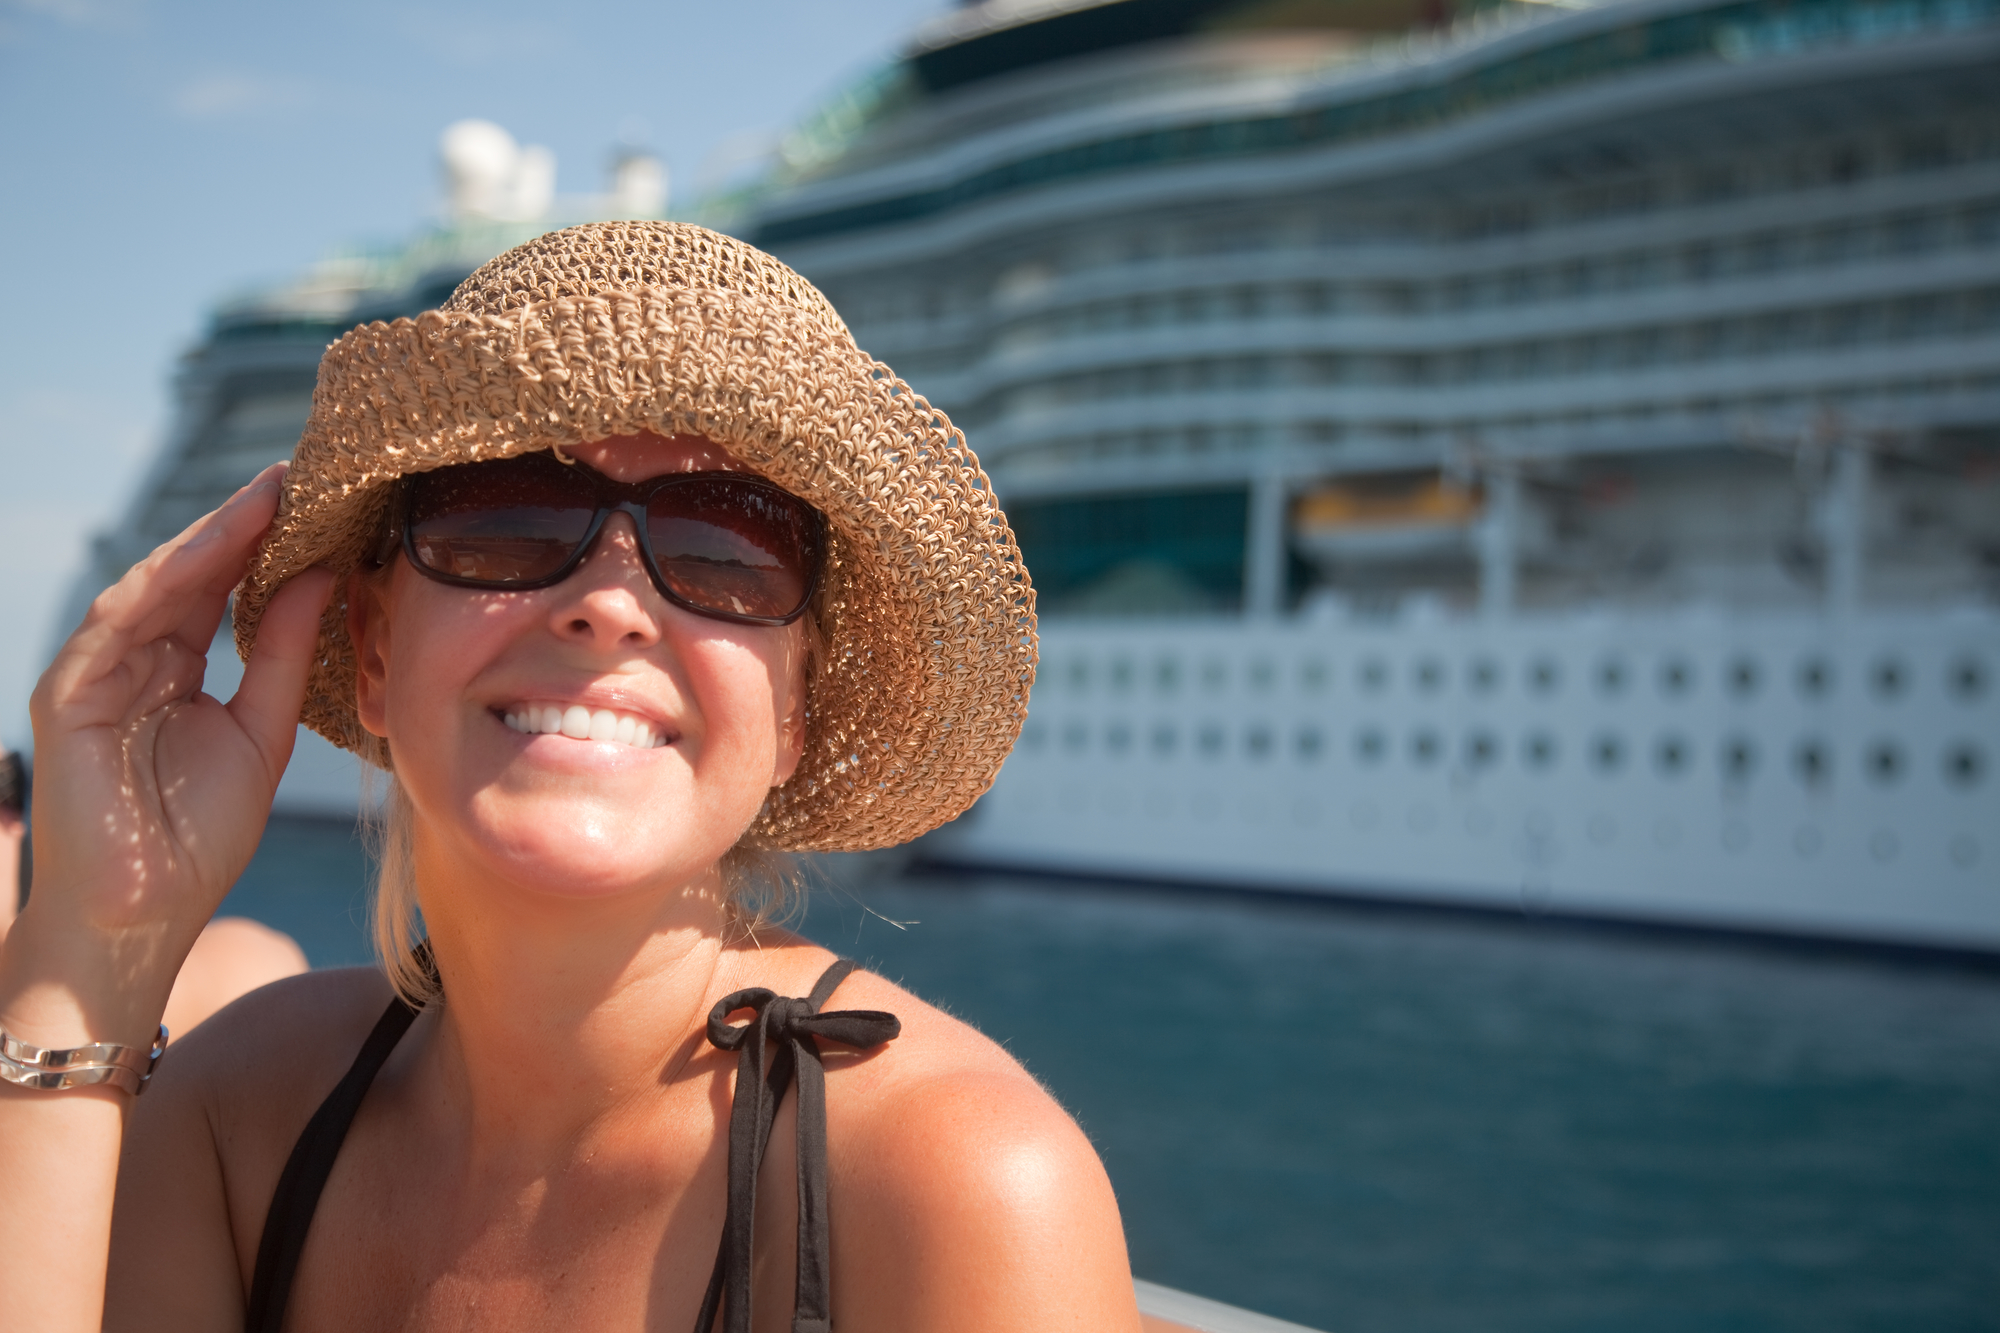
[[157, 156]]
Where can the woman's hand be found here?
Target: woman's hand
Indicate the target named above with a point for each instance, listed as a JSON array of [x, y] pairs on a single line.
[[150, 796]]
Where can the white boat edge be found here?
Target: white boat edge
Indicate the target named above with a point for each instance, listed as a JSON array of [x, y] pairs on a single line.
[[1180, 1310]]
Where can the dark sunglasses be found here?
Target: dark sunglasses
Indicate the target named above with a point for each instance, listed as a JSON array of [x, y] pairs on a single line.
[[719, 544]]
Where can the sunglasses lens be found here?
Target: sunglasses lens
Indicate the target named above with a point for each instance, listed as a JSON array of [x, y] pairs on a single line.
[[513, 521], [733, 546]]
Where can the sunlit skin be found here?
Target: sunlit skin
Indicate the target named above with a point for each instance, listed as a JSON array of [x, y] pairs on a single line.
[[546, 1149]]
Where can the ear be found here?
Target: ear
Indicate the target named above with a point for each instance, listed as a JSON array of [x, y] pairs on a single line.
[[368, 630], [792, 721]]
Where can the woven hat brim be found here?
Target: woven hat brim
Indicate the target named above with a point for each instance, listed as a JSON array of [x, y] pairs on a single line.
[[927, 614]]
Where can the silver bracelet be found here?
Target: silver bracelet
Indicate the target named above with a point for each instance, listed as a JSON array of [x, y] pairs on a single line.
[[53, 1069]]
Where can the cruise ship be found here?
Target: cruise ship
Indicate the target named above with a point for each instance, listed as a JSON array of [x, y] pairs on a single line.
[[1509, 456], [1495, 455]]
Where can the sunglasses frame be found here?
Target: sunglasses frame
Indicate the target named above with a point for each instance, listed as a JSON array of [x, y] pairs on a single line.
[[613, 497]]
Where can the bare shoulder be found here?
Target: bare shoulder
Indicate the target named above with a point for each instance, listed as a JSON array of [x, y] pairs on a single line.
[[950, 1159], [258, 1068]]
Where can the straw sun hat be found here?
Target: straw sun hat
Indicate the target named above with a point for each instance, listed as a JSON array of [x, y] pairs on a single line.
[[926, 613]]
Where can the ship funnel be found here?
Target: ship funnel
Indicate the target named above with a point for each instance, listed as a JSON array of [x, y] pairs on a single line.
[[490, 178]]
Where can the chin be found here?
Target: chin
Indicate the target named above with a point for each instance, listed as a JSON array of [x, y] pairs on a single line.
[[594, 850]]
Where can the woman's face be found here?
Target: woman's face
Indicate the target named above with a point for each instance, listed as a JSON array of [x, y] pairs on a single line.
[[441, 668]]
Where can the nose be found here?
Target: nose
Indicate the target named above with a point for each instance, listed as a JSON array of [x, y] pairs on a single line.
[[609, 601]]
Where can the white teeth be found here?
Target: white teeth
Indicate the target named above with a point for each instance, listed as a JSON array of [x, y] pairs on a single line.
[[580, 723]]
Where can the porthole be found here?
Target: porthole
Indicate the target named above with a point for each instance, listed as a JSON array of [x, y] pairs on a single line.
[[1481, 749], [1210, 739], [1425, 747], [1262, 673], [1743, 677], [1540, 750], [1079, 674], [1485, 675], [1739, 758], [1374, 675], [1611, 676], [1813, 763], [1676, 677], [1312, 675], [1307, 742], [1430, 675], [1544, 675], [1964, 765], [1815, 678], [1165, 738], [1370, 745], [1118, 738], [1670, 756], [1075, 736], [1608, 753], [1166, 674], [1889, 678], [1257, 742], [1121, 674], [1214, 675], [1885, 762], [1967, 677]]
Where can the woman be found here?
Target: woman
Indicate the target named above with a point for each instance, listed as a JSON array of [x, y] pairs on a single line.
[[627, 566]]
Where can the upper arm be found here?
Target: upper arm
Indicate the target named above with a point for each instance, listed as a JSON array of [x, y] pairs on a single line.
[[986, 1208], [173, 1259]]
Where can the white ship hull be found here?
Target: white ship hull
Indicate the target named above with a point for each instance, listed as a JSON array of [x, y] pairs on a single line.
[[1844, 787]]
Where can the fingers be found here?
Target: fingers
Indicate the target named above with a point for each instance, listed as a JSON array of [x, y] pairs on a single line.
[[180, 590], [266, 705]]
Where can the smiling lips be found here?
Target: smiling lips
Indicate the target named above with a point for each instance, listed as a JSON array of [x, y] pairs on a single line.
[[584, 724]]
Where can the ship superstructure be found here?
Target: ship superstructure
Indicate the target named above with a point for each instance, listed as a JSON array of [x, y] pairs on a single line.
[[1502, 454]]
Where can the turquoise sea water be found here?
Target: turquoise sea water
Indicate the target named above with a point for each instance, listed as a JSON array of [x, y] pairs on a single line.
[[1376, 1122]]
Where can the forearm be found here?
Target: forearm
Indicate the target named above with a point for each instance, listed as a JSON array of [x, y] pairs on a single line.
[[62, 1148]]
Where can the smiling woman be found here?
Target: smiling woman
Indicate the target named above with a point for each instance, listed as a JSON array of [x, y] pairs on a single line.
[[626, 566]]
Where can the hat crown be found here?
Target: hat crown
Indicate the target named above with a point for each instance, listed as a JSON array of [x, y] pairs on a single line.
[[602, 257]]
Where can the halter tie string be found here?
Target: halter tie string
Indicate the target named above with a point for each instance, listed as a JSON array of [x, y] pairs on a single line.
[[794, 1026]]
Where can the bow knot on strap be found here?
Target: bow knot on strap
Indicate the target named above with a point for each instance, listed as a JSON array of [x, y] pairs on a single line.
[[792, 1026]]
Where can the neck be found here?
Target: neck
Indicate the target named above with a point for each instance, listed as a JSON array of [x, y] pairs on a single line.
[[558, 1011]]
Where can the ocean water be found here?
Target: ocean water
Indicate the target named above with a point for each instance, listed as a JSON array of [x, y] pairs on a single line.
[[1377, 1122]]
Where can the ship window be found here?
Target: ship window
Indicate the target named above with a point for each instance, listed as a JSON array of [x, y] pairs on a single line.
[[1611, 676], [1430, 675], [1121, 674], [1262, 674], [1166, 674], [1075, 736], [1485, 675], [1425, 747], [1544, 675], [1677, 677], [1967, 677], [1312, 674], [1812, 763], [1481, 749], [1885, 761], [1815, 677], [1370, 745], [1079, 674], [1118, 738], [1214, 674], [1739, 758], [1743, 677], [1307, 742], [1608, 753], [1670, 756], [1164, 738], [1155, 553], [1374, 675], [1964, 765], [1889, 678], [1540, 750], [1210, 740], [1257, 742]]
